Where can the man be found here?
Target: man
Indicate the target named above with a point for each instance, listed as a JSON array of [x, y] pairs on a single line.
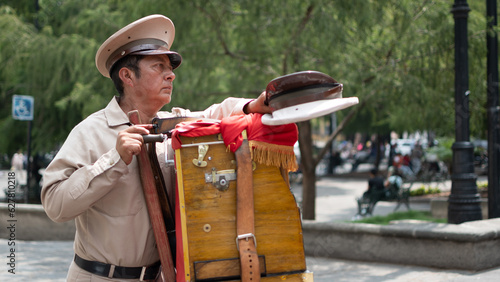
[[18, 161], [374, 193], [376, 185], [94, 179]]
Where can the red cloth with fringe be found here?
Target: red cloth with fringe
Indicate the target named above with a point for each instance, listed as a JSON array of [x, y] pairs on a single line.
[[271, 145]]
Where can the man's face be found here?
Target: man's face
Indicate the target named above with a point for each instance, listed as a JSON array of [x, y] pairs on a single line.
[[154, 86]]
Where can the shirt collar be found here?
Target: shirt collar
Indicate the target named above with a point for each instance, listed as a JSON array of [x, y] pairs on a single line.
[[114, 114]]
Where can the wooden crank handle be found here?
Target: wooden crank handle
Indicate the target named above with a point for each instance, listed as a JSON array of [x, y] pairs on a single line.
[[134, 118]]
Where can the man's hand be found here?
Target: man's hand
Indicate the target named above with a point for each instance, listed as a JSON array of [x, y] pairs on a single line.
[[129, 142], [258, 105]]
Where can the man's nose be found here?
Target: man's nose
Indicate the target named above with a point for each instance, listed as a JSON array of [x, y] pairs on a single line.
[[170, 75]]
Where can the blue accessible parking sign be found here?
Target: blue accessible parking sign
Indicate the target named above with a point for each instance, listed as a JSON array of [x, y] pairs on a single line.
[[23, 107]]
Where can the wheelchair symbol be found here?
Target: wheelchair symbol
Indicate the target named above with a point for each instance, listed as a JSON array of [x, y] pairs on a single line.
[[23, 107]]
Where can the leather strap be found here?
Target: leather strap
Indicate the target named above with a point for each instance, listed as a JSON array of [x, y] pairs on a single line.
[[154, 207], [245, 223], [164, 199]]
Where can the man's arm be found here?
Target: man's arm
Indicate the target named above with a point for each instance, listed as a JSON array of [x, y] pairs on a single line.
[[86, 169], [71, 187], [129, 142], [258, 105], [229, 107]]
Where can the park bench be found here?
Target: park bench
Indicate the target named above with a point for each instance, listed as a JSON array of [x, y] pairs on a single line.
[[397, 191]]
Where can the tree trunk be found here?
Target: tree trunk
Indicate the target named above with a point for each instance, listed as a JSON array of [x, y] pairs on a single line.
[[308, 161], [308, 167], [379, 155]]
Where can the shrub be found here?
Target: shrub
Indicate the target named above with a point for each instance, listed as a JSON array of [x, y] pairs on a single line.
[[411, 214], [423, 190]]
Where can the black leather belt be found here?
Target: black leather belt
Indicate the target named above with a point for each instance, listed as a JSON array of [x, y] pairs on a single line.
[[114, 271]]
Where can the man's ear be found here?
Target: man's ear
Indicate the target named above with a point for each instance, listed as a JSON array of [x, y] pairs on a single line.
[[126, 76]]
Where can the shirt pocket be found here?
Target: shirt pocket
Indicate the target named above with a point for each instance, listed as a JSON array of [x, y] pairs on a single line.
[[126, 198]]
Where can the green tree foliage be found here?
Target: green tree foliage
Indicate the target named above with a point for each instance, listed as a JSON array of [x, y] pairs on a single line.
[[398, 54]]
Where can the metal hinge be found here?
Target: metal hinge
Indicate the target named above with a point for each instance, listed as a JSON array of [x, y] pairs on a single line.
[[220, 179]]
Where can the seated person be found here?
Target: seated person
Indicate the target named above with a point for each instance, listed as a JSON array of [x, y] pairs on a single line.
[[402, 168], [376, 186], [393, 184]]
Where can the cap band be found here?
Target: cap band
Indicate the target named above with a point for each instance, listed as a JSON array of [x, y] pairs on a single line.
[[135, 46], [305, 94]]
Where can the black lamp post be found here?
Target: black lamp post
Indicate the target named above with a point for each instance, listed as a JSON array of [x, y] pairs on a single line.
[[464, 200], [493, 119]]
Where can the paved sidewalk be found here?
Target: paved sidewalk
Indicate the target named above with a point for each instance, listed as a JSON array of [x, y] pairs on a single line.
[[37, 261], [48, 261], [329, 270]]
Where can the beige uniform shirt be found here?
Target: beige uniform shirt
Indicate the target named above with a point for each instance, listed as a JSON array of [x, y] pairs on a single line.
[[87, 181]]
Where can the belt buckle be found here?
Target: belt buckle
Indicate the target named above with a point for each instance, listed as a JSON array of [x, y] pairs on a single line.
[[143, 272], [245, 236]]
